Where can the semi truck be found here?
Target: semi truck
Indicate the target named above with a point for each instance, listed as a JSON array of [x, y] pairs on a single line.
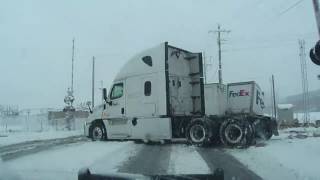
[[159, 95]]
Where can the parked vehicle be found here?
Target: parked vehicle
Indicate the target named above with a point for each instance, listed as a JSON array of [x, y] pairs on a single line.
[[159, 95]]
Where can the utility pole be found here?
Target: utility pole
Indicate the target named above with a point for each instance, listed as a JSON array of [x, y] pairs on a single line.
[[72, 66], [304, 78], [28, 115], [205, 68], [219, 41], [206, 64], [93, 59], [274, 98]]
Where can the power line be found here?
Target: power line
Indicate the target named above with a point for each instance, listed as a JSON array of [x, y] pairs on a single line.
[[275, 38], [290, 7], [93, 66], [267, 45]]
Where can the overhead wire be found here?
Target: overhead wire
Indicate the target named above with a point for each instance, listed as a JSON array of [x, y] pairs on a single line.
[[290, 7], [280, 14]]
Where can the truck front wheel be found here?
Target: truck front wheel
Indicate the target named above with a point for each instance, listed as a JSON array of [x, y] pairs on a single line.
[[97, 132]]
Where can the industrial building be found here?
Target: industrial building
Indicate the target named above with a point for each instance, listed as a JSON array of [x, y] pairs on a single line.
[[285, 115]]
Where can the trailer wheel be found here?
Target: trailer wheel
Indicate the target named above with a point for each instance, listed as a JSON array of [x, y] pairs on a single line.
[[198, 132], [236, 132], [98, 132]]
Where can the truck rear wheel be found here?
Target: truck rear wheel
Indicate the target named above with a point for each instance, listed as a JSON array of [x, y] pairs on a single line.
[[236, 132], [264, 129], [98, 132], [198, 132], [250, 134], [267, 132]]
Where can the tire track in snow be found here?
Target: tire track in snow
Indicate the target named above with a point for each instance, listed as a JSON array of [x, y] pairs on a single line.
[[233, 169], [165, 159], [150, 160], [114, 158], [185, 159]]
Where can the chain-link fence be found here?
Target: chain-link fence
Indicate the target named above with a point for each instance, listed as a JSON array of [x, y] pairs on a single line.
[[42, 120]]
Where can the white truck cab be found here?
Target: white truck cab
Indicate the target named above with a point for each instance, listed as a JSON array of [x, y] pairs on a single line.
[[148, 91], [159, 95]]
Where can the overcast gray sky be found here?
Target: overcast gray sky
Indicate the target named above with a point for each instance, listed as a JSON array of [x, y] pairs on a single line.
[[36, 40]]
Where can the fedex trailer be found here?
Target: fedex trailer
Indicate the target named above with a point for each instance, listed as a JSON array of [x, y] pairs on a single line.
[[159, 95]]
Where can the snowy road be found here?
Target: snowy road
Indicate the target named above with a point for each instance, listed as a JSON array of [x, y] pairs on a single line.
[[64, 161], [292, 155], [218, 158]]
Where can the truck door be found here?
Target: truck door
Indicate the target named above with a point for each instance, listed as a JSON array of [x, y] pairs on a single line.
[[117, 126]]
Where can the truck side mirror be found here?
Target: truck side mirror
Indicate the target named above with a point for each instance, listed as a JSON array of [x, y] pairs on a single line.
[[89, 106], [104, 94]]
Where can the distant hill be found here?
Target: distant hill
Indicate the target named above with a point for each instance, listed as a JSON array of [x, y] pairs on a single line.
[[296, 100]]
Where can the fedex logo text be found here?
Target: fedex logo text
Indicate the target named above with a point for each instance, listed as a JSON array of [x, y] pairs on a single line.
[[242, 92]]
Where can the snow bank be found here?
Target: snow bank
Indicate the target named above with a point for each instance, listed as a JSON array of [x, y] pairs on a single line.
[[18, 137], [285, 106], [285, 157]]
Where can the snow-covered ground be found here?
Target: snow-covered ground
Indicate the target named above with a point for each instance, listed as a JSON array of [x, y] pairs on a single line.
[[35, 123], [19, 129], [294, 155], [18, 137], [65, 162], [286, 156]]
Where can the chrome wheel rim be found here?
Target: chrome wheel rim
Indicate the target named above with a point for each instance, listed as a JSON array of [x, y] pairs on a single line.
[[97, 133], [197, 133], [233, 133]]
